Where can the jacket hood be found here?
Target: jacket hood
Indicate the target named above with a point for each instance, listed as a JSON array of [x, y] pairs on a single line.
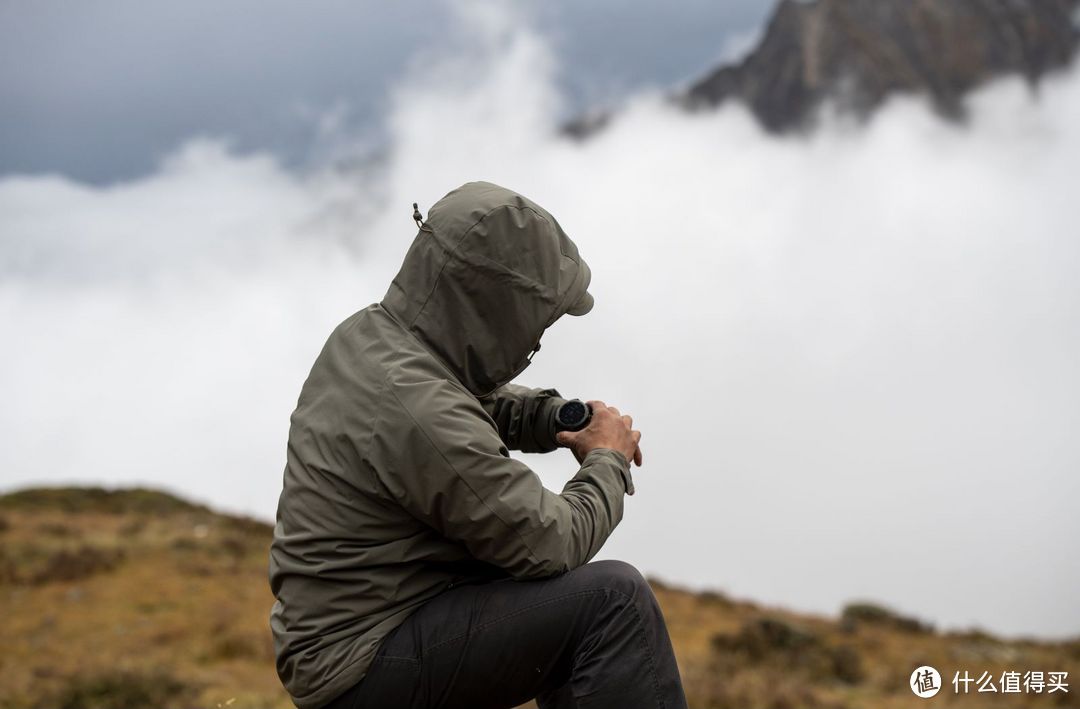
[[487, 273]]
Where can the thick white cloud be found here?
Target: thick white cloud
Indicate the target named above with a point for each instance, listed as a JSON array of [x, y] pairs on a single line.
[[852, 355]]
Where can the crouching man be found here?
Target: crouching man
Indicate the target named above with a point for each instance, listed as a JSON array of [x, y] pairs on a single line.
[[414, 562]]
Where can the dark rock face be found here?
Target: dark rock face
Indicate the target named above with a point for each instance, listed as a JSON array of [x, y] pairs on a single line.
[[858, 52]]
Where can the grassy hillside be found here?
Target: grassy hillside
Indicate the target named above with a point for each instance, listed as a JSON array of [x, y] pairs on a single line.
[[136, 598]]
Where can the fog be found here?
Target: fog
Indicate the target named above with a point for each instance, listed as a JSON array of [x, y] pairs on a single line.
[[852, 354]]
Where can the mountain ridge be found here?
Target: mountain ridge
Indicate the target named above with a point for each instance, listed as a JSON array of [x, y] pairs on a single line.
[[856, 54]]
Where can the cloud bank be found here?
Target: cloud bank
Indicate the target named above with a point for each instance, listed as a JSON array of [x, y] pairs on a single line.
[[853, 355]]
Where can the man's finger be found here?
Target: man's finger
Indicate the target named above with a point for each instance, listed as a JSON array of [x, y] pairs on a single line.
[[613, 410], [637, 456], [628, 420], [566, 438]]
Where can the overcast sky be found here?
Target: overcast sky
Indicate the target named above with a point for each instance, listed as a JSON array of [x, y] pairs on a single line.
[[102, 90], [853, 354]]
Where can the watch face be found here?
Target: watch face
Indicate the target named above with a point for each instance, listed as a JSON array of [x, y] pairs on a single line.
[[572, 414]]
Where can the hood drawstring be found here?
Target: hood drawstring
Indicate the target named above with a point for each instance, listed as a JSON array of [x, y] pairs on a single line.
[[417, 216], [534, 351]]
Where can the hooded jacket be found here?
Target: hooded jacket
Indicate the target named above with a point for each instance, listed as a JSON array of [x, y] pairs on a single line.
[[398, 482]]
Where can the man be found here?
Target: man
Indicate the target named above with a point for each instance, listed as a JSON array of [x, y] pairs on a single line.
[[414, 562]]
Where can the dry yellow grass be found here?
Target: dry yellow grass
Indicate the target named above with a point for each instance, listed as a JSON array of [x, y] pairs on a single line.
[[180, 621], [138, 599]]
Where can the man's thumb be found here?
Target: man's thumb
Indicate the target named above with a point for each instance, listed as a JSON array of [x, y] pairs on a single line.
[[565, 438]]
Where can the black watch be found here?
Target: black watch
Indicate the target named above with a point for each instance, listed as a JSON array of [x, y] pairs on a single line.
[[574, 415]]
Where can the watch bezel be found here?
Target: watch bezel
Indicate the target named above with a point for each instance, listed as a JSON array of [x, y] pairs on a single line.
[[562, 425]]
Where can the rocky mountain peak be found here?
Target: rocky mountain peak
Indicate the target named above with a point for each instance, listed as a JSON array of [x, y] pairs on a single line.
[[859, 52]]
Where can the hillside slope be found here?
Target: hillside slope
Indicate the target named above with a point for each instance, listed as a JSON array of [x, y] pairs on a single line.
[[135, 598]]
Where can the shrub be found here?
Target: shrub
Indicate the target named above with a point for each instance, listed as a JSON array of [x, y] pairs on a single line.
[[847, 664], [771, 642], [717, 598], [250, 527], [68, 565], [56, 529], [8, 573], [133, 527], [873, 614], [763, 638], [234, 646], [122, 690]]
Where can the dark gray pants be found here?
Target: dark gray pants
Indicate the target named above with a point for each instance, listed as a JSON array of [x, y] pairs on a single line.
[[593, 637]]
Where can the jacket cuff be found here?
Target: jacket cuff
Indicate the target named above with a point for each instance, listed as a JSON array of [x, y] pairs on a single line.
[[545, 419], [620, 462]]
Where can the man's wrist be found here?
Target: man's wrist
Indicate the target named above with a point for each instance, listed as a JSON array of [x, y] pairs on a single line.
[[549, 409]]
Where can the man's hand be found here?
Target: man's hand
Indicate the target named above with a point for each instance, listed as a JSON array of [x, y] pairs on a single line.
[[607, 429]]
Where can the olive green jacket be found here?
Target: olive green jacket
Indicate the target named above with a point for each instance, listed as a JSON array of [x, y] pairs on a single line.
[[398, 482]]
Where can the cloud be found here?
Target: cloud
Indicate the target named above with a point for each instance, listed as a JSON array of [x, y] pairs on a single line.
[[852, 355]]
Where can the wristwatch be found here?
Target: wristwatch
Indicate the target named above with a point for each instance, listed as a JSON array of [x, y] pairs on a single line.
[[574, 415]]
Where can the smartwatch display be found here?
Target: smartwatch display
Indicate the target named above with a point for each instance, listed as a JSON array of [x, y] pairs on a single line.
[[574, 415]]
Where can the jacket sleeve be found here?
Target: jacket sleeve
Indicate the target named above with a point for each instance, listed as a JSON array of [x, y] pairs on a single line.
[[524, 417], [446, 465]]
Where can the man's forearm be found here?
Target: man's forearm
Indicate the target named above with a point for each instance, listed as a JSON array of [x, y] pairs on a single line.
[[524, 417]]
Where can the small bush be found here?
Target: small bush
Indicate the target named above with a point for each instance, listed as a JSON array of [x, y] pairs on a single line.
[[185, 544], [250, 527], [766, 637], [122, 690], [775, 643], [133, 527], [68, 565], [873, 614], [716, 598], [8, 572], [234, 647], [847, 664], [56, 529], [232, 547]]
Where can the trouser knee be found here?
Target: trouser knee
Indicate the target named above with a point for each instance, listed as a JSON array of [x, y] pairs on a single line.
[[618, 597], [620, 577]]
